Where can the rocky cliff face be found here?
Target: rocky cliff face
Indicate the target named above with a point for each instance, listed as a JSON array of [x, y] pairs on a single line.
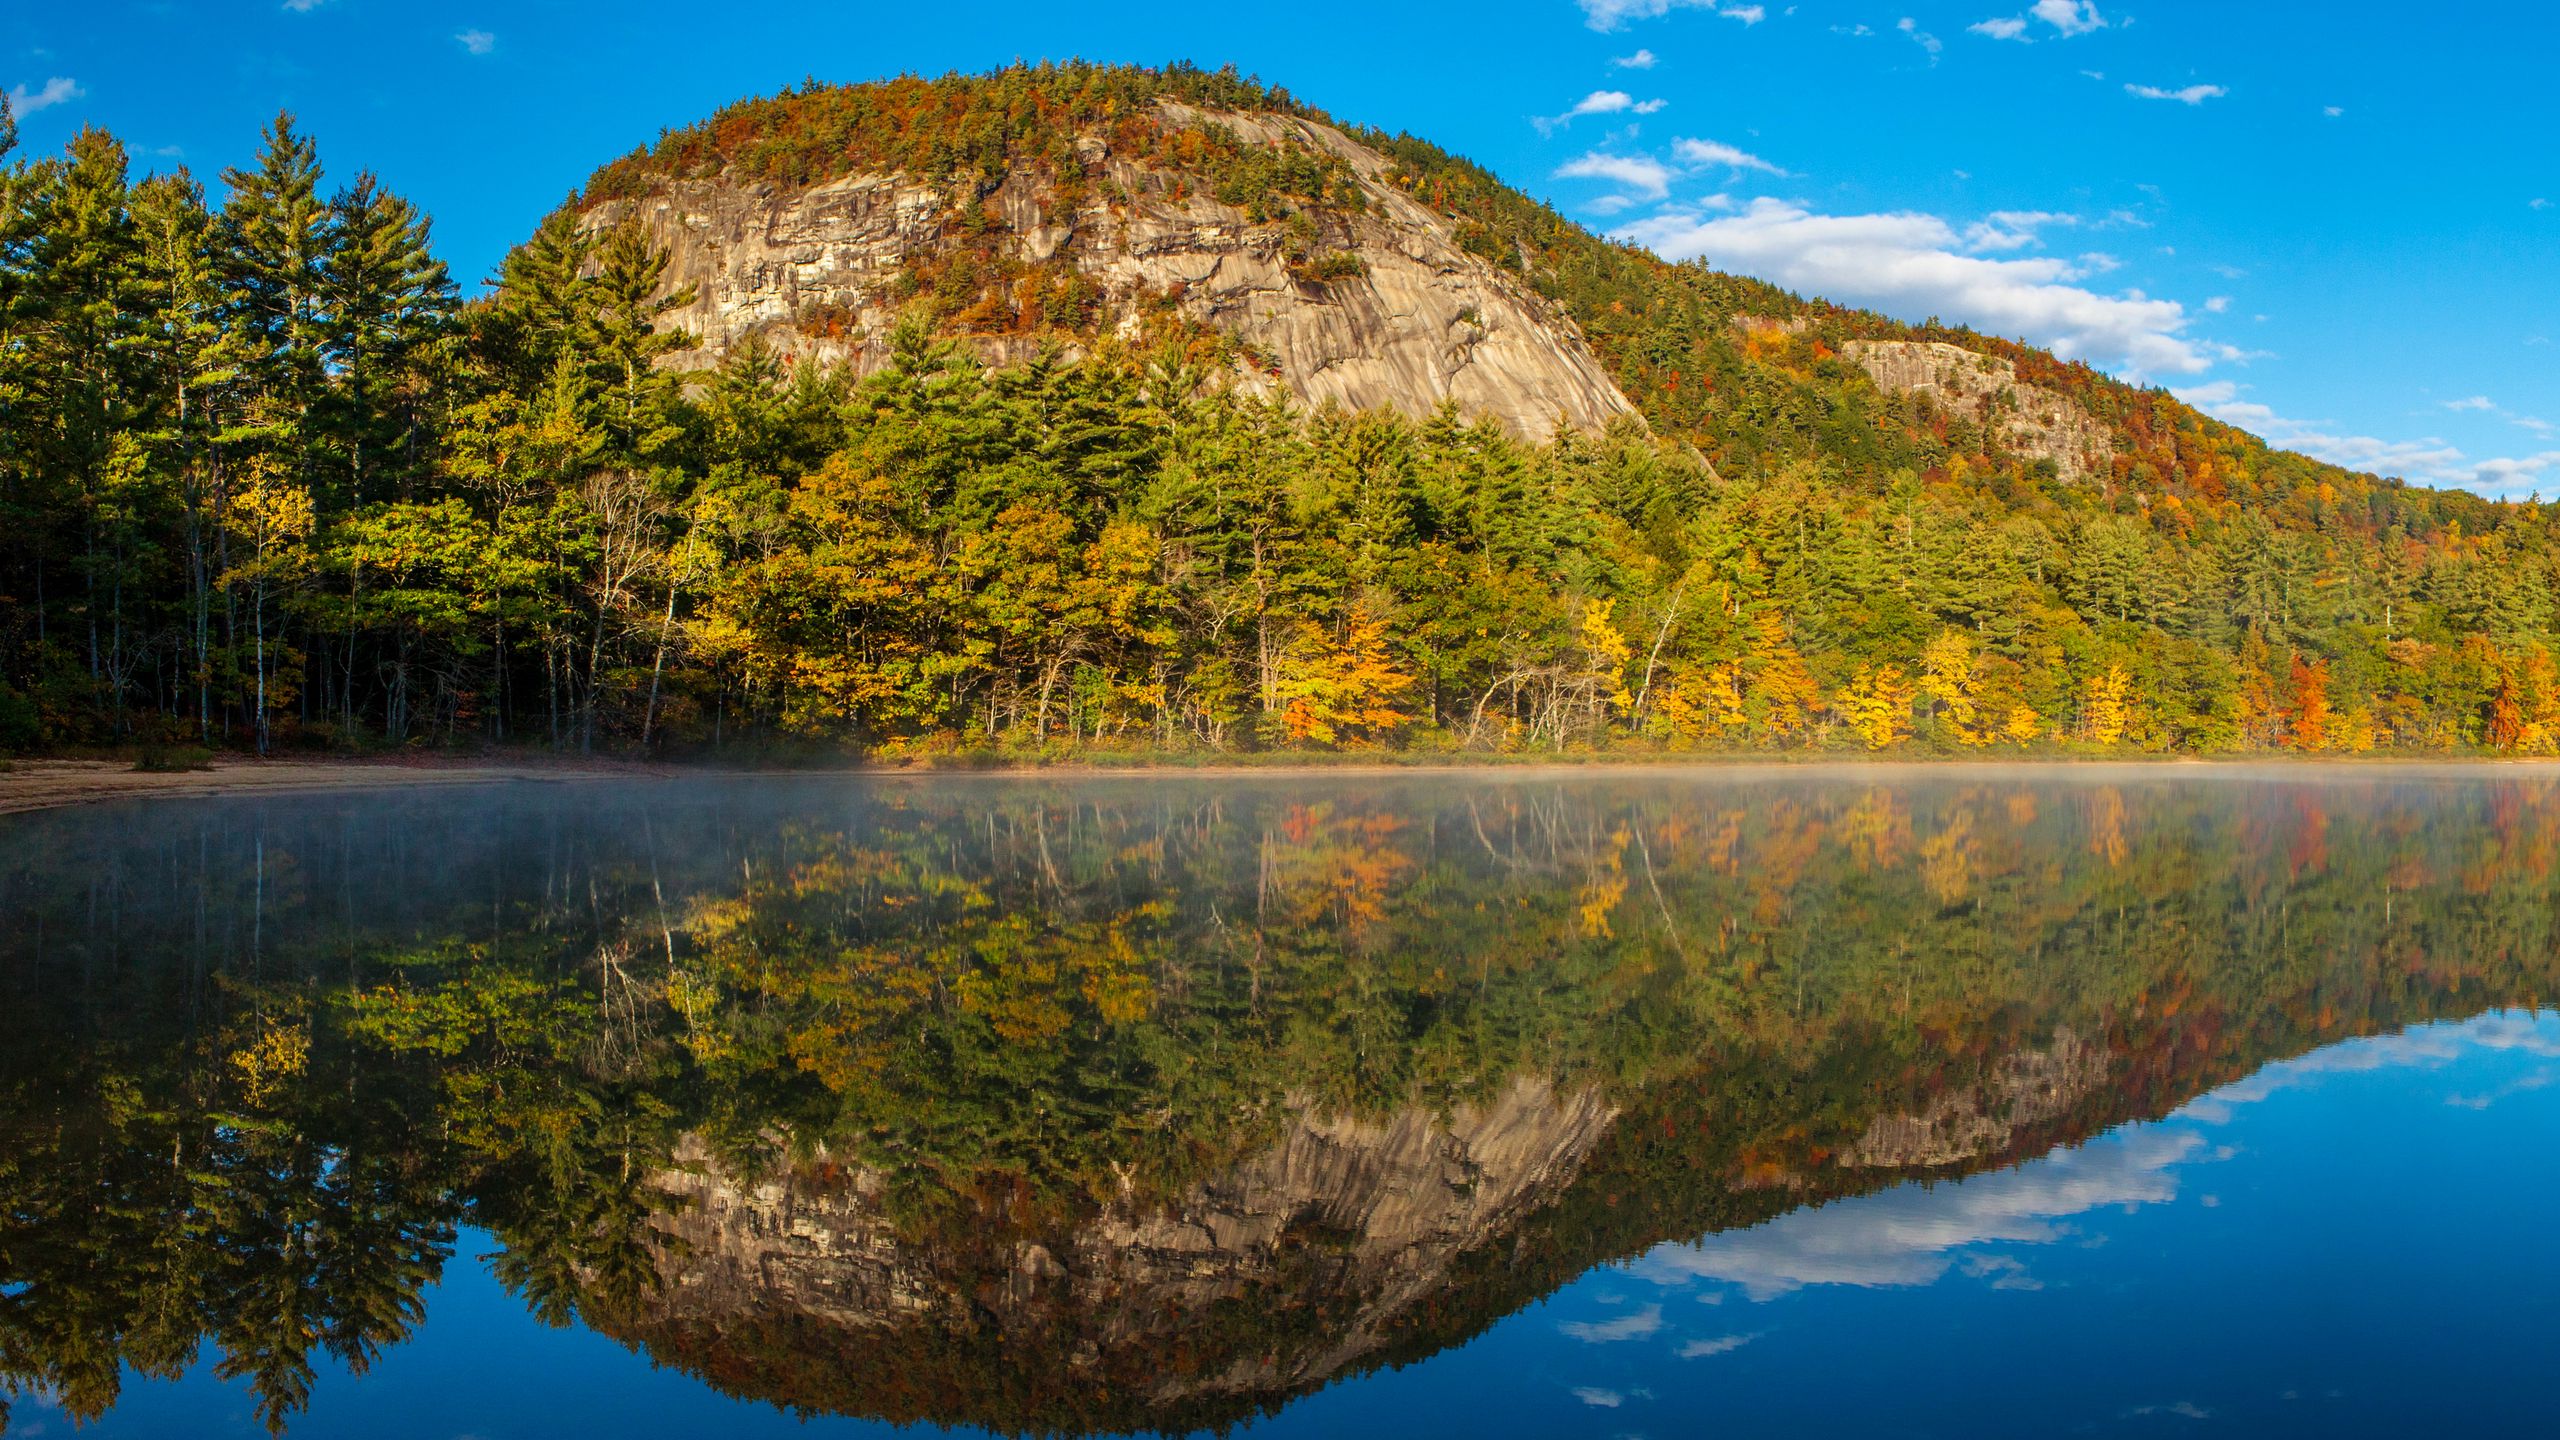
[[1421, 322], [1985, 389], [1349, 1221], [2029, 1088]]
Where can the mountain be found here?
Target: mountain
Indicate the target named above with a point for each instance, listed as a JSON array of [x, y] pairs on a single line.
[[1067, 204], [1328, 282]]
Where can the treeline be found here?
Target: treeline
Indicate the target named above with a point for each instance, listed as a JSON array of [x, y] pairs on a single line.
[[269, 481]]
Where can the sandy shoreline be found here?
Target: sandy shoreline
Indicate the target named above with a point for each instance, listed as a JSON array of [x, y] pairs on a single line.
[[48, 784]]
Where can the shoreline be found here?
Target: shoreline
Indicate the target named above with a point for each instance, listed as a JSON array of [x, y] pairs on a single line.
[[31, 785]]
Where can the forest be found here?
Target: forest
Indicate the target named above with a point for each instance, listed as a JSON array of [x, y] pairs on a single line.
[[270, 480]]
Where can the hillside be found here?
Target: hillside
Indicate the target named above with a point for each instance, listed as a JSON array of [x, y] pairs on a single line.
[[1079, 405]]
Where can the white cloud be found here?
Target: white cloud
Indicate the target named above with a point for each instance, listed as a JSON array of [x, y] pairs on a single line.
[[2218, 305], [1717, 153], [2537, 203], [1720, 1345], [304, 7], [1910, 1235], [2428, 460], [2191, 95], [2524, 1086], [1598, 102], [1594, 1395], [2012, 229], [2071, 17], [56, 91], [1641, 60], [1636, 1326], [1913, 265], [2476, 402], [2333, 111], [477, 42], [1648, 177], [1606, 15], [1920, 37]]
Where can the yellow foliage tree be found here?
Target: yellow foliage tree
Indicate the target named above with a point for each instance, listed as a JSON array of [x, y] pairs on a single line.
[[2106, 707], [1877, 705], [1946, 678], [1327, 689], [1608, 653]]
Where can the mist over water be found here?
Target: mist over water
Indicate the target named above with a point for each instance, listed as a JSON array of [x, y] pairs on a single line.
[[1867, 1101]]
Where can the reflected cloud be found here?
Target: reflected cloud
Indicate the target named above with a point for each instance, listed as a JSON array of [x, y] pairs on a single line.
[[1721, 1345], [1626, 1327], [2420, 1046], [1908, 1235]]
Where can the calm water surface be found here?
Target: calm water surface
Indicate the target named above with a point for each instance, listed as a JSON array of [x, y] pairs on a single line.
[[1960, 1103]]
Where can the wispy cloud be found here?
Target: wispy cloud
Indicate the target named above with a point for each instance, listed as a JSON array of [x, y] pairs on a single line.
[[2427, 459], [2482, 404], [2014, 229], [304, 7], [1594, 1395], [2066, 17], [1920, 37], [1641, 60], [1916, 264], [1720, 1345], [1716, 153], [1598, 102], [2071, 17], [1647, 177], [59, 90], [1606, 15], [2191, 95], [1634, 1326], [477, 42]]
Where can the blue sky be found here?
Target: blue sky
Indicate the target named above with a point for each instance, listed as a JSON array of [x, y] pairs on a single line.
[[2338, 225]]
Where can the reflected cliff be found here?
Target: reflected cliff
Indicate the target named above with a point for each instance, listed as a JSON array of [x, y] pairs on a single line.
[[1131, 1104]]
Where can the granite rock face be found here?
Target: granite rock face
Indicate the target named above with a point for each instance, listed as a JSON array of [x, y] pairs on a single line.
[[815, 271], [2028, 419]]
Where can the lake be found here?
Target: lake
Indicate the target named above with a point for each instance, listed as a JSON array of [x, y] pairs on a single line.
[[2065, 1100]]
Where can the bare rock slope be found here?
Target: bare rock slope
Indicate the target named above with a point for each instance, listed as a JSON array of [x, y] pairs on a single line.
[[2029, 419], [1424, 320]]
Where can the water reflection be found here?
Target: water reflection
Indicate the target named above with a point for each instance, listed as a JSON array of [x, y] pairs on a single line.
[[1130, 1104]]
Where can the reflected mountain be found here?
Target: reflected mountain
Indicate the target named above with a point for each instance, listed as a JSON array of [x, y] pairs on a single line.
[[1114, 1105]]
